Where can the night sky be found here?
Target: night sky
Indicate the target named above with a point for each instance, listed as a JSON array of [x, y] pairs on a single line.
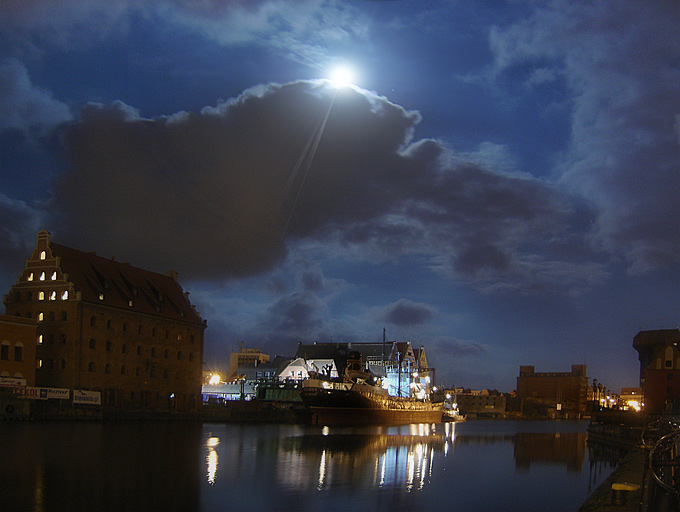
[[499, 182]]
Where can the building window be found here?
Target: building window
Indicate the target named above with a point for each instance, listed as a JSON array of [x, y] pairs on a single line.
[[139, 350], [179, 337], [30, 277], [101, 296], [63, 339], [4, 351], [43, 255], [50, 338], [124, 326], [153, 351], [107, 368], [191, 356], [138, 371], [167, 334], [108, 324], [64, 295], [153, 331], [52, 316], [40, 339], [41, 295], [40, 316], [139, 329], [191, 338], [124, 348], [93, 321], [62, 364], [42, 276], [92, 367], [19, 352], [93, 343], [64, 315], [165, 374], [54, 275], [29, 295], [179, 355], [166, 353], [123, 370], [109, 347]]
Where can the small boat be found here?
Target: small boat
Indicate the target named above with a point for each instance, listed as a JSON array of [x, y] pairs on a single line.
[[359, 398], [450, 411]]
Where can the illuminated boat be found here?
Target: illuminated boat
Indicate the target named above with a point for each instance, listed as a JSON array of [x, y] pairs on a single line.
[[359, 398]]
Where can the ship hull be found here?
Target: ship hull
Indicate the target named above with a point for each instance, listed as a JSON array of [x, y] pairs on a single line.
[[357, 404]]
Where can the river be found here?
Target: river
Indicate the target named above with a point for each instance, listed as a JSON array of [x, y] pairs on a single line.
[[177, 466]]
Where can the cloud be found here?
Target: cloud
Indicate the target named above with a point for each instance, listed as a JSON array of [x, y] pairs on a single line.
[[300, 31], [19, 223], [620, 66], [406, 313], [226, 191], [24, 106], [454, 347]]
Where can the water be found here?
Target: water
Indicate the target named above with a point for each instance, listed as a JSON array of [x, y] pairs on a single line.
[[472, 466]]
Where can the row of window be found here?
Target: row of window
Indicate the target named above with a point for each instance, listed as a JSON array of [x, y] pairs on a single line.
[[42, 276], [44, 295], [51, 364], [51, 316], [154, 331], [154, 352], [18, 354]]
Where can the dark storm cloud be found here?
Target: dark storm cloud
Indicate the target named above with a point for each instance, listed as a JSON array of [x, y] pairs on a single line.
[[458, 348], [407, 313], [619, 61], [224, 191], [19, 222]]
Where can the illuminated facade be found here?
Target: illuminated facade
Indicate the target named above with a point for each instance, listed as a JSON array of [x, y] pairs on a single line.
[[107, 326], [659, 356]]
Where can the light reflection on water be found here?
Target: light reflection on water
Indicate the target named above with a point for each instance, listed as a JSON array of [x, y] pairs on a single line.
[[473, 466]]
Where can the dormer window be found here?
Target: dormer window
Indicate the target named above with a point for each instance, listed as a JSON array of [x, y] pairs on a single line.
[[30, 277], [43, 255], [54, 275]]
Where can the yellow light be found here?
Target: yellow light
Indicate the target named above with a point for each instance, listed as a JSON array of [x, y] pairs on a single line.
[[215, 379]]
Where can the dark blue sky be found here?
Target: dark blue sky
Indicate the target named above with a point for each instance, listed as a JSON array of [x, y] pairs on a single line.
[[500, 183]]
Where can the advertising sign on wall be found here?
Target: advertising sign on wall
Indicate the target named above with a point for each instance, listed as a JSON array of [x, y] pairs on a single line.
[[87, 397]]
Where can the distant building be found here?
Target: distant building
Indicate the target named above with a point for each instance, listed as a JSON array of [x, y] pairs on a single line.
[[560, 394], [245, 356], [17, 350], [631, 398], [481, 403], [107, 326], [659, 357]]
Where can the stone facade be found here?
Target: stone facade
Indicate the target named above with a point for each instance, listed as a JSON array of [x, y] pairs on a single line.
[[108, 326]]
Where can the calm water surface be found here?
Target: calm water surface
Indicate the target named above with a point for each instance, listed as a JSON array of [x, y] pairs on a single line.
[[473, 466]]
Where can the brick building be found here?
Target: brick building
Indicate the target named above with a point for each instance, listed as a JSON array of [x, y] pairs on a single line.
[[108, 326], [659, 357], [559, 394]]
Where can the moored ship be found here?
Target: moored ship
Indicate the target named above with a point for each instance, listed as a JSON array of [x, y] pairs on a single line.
[[359, 398]]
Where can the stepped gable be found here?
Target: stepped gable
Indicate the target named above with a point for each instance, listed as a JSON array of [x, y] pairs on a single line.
[[120, 284]]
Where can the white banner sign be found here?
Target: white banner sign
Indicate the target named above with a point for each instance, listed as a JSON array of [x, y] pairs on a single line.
[[87, 397], [34, 393], [8, 382]]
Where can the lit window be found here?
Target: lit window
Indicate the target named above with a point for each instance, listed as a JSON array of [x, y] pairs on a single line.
[[30, 277], [42, 276], [54, 275], [41, 295], [40, 339], [64, 295], [40, 316], [43, 255], [53, 296], [101, 296], [40, 363]]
